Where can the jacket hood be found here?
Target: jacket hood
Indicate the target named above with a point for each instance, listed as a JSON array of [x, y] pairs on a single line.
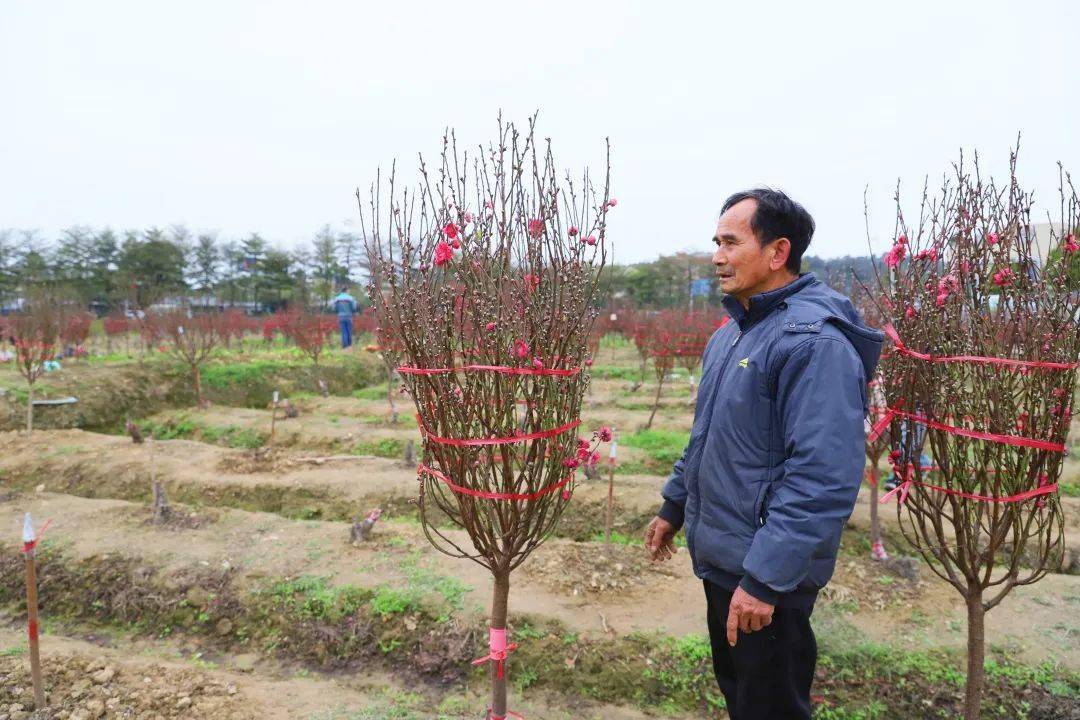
[[816, 303]]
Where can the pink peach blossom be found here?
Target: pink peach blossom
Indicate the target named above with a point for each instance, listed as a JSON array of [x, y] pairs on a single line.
[[1003, 277], [443, 253], [894, 257]]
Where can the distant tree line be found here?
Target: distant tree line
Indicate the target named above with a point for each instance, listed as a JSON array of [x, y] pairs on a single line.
[[666, 282], [105, 270]]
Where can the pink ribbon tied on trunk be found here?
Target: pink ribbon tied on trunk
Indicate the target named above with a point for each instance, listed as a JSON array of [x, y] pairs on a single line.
[[498, 650]]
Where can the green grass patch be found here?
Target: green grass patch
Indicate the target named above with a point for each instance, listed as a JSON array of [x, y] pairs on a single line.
[[313, 597], [663, 447], [223, 375], [373, 392], [384, 447], [636, 467], [615, 372], [185, 427]]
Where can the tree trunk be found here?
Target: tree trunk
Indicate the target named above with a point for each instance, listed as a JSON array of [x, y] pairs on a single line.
[[976, 671], [656, 403], [390, 394], [161, 503], [30, 409], [875, 523], [499, 600], [198, 384], [610, 516]]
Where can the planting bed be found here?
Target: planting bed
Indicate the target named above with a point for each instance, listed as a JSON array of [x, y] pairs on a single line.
[[251, 602]]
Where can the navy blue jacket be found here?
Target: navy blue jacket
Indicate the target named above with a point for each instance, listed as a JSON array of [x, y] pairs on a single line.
[[776, 454]]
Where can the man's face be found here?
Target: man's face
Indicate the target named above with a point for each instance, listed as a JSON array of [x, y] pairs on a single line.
[[742, 264]]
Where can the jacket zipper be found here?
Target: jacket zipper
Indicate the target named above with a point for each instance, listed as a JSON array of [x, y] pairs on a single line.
[[712, 406]]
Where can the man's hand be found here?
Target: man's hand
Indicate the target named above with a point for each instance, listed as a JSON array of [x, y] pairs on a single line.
[[746, 613], [660, 539]]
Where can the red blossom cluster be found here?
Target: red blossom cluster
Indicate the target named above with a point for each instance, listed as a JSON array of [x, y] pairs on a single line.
[[76, 330], [235, 324], [307, 331], [116, 325], [897, 253]]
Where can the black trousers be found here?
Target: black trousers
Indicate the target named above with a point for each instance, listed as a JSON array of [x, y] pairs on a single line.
[[767, 675]]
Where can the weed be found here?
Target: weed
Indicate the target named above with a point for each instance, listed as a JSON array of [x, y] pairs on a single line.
[[388, 601], [524, 678], [525, 631]]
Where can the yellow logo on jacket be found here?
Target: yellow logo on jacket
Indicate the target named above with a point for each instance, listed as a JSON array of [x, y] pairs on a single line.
[[744, 362]]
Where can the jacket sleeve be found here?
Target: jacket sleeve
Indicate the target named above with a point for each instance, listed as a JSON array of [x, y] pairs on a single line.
[[674, 493], [820, 395]]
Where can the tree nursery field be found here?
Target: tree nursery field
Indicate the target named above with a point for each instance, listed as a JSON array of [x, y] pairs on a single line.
[[256, 582]]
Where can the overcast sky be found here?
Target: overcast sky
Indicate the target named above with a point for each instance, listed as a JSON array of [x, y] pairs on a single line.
[[264, 116]]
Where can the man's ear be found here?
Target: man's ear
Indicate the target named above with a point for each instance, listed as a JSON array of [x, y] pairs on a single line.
[[781, 252]]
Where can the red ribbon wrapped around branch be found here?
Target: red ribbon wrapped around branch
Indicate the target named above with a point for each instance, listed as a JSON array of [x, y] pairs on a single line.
[[1039, 364], [903, 489], [488, 495], [505, 369], [1016, 440], [539, 435]]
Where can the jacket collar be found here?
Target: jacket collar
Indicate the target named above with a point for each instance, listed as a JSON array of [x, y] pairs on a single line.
[[763, 303]]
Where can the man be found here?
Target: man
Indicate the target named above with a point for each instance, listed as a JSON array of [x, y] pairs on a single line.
[[345, 305], [775, 457]]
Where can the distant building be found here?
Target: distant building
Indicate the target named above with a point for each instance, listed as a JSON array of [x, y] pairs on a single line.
[[1046, 237]]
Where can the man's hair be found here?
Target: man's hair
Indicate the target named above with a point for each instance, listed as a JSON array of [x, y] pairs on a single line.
[[778, 216]]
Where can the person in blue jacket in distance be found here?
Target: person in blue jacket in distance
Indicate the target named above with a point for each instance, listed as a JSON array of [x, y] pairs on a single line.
[[345, 307]]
